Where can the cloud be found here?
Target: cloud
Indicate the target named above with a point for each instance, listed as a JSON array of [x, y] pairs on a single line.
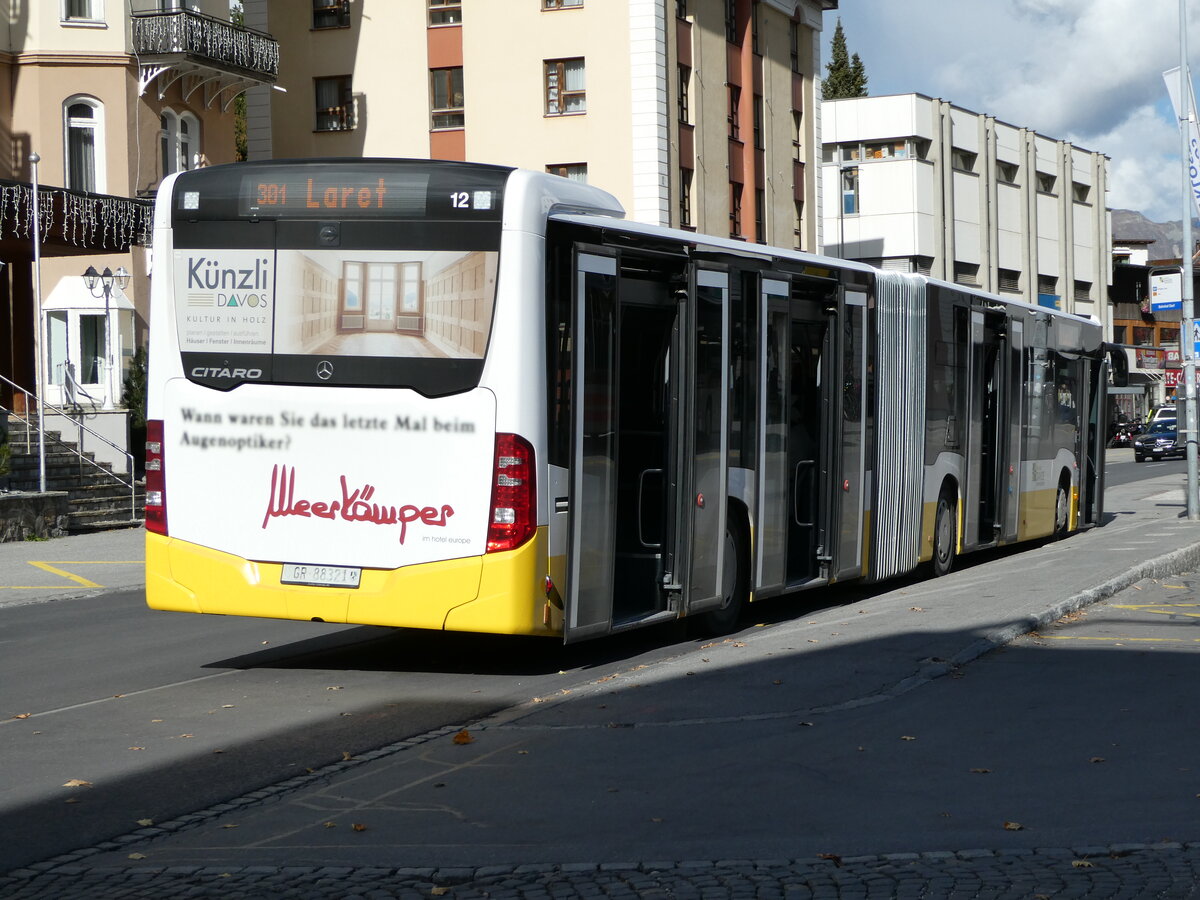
[[1086, 71]]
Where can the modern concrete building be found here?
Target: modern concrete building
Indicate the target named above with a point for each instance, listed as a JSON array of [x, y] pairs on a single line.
[[918, 184], [696, 113], [111, 96]]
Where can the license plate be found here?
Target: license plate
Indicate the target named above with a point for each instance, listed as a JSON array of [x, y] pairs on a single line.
[[321, 576]]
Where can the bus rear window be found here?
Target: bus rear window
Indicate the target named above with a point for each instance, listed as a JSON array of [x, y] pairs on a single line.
[[344, 316]]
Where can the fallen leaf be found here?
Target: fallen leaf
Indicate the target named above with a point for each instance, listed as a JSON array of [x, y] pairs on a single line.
[[137, 855], [334, 687], [77, 782], [981, 771], [438, 891], [832, 857], [776, 681], [463, 737], [145, 823], [916, 609], [331, 824], [156, 720], [655, 820], [1013, 826], [907, 737], [229, 826], [807, 725], [357, 827], [227, 706], [1081, 864], [22, 715], [1096, 759], [137, 748], [522, 753], [347, 756]]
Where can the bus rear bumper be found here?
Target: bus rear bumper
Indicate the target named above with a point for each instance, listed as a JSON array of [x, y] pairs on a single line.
[[498, 593]]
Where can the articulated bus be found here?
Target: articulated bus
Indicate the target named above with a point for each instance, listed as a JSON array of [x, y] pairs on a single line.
[[463, 397]]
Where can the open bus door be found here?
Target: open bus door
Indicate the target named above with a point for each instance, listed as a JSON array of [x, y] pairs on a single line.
[[1091, 482], [649, 450]]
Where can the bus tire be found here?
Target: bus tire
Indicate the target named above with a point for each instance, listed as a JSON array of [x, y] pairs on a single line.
[[726, 617], [945, 535], [1062, 506]]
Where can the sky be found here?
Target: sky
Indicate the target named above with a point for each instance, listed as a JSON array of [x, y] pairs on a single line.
[[1087, 71]]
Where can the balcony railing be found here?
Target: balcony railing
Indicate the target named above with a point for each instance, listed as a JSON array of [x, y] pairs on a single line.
[[209, 41]]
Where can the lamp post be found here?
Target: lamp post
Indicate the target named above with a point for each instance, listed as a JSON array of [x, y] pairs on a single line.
[[105, 280]]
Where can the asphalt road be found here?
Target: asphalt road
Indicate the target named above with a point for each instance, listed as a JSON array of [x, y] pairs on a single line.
[[1084, 733]]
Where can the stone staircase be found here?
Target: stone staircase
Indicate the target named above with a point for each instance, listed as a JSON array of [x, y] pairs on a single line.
[[98, 501]]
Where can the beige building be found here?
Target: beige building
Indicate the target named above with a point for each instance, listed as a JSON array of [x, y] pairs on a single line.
[[110, 96], [694, 113]]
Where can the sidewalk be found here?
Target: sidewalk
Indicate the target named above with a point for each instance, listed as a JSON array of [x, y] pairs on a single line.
[[818, 755], [74, 566]]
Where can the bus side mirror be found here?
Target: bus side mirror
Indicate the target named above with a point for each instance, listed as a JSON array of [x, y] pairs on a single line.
[[1118, 364]]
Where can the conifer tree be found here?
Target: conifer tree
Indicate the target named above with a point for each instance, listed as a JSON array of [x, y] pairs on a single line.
[[845, 75]]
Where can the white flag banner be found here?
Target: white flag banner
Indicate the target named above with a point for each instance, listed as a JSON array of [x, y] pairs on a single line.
[[1171, 77]]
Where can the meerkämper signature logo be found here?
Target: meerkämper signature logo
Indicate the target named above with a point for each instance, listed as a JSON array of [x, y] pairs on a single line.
[[351, 506]]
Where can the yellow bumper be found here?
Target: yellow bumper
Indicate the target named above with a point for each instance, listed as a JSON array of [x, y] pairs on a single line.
[[501, 593]]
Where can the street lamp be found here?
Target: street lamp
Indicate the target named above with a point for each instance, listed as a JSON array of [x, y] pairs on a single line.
[[105, 280]]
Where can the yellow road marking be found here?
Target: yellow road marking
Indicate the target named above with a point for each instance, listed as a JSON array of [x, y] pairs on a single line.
[[78, 579], [62, 573]]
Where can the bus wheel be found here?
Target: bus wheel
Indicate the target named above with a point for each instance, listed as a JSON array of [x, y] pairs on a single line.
[[945, 536], [726, 617], [1062, 508]]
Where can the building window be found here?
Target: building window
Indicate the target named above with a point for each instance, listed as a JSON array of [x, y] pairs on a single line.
[[1080, 192], [798, 224], [1143, 335], [735, 210], [754, 29], [1083, 290], [731, 21], [561, 4], [571, 171], [565, 87], [966, 273], [685, 198], [179, 142], [334, 103], [330, 14], [794, 42], [759, 142], [963, 160], [797, 135], [1009, 281], [82, 129], [1006, 173], [685, 78], [1047, 284], [1167, 336], [1045, 183], [760, 216], [1118, 334], [849, 191], [446, 98], [735, 99], [82, 11], [445, 12], [681, 9]]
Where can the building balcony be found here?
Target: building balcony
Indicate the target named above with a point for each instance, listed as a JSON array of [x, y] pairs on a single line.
[[209, 54]]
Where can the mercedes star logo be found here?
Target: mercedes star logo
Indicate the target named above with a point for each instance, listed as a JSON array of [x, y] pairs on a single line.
[[324, 370]]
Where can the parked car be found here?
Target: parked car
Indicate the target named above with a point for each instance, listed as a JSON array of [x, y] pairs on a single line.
[[1161, 412], [1158, 441]]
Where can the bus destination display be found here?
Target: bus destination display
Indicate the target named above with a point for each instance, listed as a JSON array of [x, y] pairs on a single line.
[[273, 193]]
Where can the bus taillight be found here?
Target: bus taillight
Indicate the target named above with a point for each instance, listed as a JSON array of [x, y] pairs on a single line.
[[156, 501], [513, 494]]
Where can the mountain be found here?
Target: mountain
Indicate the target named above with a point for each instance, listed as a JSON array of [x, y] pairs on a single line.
[[1167, 236]]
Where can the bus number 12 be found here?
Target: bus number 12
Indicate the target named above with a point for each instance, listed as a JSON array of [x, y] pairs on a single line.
[[460, 200]]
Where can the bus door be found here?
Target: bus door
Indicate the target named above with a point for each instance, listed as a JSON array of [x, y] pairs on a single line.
[[1091, 481], [809, 400], [704, 449], [987, 448], [852, 475], [648, 476], [774, 481]]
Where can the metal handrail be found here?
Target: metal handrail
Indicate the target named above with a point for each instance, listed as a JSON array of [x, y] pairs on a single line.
[[29, 428]]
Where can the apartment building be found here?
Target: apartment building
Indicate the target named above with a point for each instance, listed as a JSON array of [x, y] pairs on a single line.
[[695, 113], [110, 96], [918, 184]]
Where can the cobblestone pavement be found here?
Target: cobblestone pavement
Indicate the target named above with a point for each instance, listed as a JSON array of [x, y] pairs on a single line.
[[1117, 871]]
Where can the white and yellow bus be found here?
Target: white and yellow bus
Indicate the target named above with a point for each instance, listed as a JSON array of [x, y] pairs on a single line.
[[451, 396]]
